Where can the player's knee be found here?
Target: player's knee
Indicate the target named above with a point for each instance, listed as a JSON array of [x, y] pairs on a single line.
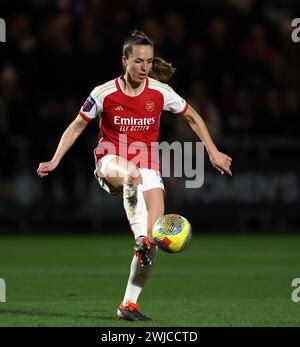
[[133, 177]]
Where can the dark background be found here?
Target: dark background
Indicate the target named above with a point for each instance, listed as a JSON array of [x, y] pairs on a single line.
[[237, 65]]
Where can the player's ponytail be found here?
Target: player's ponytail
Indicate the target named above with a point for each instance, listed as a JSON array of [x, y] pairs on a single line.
[[161, 70]]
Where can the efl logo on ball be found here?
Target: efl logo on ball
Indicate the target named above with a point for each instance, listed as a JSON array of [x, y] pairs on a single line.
[[172, 233]]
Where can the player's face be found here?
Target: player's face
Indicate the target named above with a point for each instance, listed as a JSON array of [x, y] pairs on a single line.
[[139, 63]]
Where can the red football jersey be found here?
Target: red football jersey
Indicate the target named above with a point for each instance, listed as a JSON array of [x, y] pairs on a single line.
[[129, 125]]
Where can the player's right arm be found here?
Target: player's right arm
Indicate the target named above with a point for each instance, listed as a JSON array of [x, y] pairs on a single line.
[[67, 140]]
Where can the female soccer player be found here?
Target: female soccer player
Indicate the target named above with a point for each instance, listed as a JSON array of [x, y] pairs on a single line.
[[129, 108]]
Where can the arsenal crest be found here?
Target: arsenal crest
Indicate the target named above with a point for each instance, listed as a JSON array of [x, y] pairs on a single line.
[[150, 106]]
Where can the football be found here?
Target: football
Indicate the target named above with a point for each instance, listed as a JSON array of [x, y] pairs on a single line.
[[172, 233]]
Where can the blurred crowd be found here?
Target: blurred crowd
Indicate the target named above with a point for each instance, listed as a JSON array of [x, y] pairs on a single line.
[[236, 64]]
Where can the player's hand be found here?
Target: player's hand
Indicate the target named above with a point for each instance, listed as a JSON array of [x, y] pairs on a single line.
[[46, 167], [221, 162]]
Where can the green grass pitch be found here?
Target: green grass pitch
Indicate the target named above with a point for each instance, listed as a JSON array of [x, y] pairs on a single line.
[[220, 280]]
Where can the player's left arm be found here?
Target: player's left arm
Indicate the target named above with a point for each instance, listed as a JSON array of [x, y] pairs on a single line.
[[219, 160]]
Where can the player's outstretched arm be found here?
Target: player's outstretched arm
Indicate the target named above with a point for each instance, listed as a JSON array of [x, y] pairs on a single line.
[[67, 140], [219, 160]]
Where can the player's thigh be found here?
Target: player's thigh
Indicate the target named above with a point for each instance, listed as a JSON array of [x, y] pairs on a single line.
[[120, 171], [155, 205]]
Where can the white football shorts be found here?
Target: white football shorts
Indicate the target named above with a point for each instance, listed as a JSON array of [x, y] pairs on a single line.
[[151, 178]]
